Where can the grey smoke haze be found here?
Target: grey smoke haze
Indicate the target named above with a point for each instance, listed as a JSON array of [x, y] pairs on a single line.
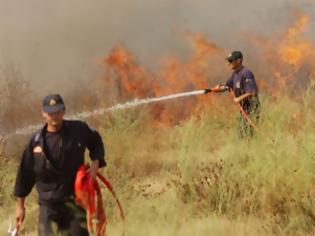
[[57, 40]]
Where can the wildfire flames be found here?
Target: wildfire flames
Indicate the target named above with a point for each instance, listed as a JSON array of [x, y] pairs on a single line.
[[296, 52], [293, 48], [281, 62], [175, 75]]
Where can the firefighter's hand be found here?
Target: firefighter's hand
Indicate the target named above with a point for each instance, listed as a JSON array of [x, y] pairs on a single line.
[[236, 99], [93, 169], [20, 215], [219, 88]]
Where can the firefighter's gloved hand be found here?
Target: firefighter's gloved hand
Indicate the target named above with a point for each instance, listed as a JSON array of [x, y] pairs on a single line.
[[224, 88], [208, 90]]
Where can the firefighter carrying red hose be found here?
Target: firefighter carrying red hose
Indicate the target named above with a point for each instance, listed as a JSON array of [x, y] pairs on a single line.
[[51, 161]]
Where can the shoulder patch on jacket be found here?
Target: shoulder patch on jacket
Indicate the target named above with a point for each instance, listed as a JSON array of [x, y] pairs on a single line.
[[37, 149], [247, 80]]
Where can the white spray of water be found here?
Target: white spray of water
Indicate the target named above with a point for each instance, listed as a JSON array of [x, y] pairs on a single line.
[[96, 112]]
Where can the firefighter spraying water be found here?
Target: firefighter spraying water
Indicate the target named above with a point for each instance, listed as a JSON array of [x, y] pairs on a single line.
[[241, 84], [121, 106], [243, 88]]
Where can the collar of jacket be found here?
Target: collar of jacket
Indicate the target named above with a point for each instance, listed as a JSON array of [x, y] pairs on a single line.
[[38, 139]]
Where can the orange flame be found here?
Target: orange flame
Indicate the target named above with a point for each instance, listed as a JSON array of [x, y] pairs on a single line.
[[280, 62], [131, 79], [134, 81], [293, 47], [283, 61]]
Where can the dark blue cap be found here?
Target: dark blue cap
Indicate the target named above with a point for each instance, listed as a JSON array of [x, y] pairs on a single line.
[[234, 56], [53, 103]]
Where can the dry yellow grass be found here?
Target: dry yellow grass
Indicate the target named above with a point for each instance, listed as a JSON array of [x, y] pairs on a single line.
[[199, 178]]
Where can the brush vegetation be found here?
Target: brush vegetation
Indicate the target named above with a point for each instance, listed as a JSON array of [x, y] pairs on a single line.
[[198, 177]]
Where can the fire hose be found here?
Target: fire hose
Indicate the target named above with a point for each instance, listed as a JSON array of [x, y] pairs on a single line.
[[243, 112], [245, 115], [85, 190]]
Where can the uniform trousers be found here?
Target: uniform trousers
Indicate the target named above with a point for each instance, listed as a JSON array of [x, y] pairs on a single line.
[[62, 218]]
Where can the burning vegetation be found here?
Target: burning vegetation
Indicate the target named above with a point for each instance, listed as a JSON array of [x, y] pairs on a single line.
[[281, 62]]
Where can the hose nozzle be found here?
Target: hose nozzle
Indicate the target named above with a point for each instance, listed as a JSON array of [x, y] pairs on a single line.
[[208, 90], [11, 231]]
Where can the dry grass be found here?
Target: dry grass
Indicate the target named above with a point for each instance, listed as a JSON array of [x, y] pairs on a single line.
[[199, 178]]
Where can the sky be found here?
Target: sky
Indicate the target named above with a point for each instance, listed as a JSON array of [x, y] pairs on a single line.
[[59, 40]]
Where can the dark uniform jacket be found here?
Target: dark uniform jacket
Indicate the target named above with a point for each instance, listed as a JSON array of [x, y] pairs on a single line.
[[242, 82], [56, 183]]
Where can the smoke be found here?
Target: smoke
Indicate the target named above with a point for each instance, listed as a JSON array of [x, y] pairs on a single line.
[[171, 46], [57, 42]]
